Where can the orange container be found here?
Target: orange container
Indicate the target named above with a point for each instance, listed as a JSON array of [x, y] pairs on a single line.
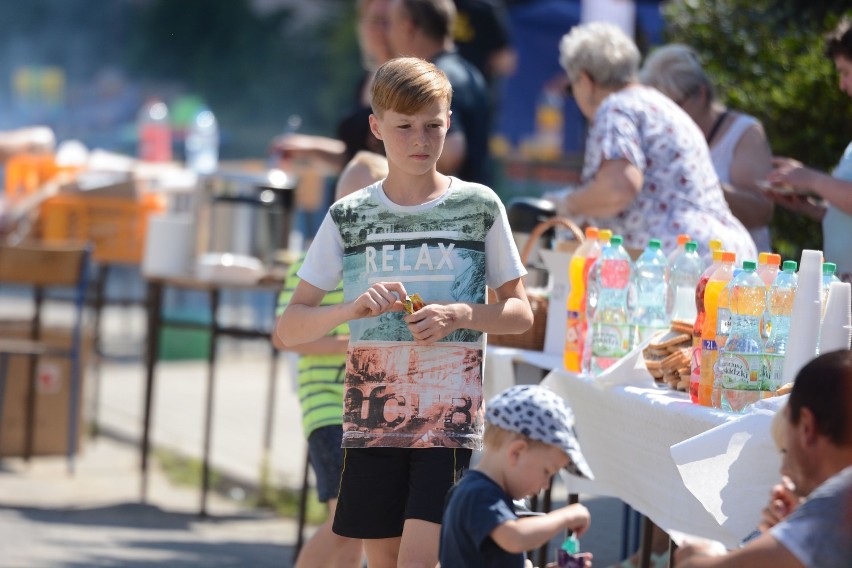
[[25, 173], [115, 226]]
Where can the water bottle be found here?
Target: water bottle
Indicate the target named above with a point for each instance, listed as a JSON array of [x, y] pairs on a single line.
[[154, 132], [700, 288], [779, 310], [712, 246], [611, 330], [741, 376], [202, 142], [604, 236], [682, 239], [650, 283], [684, 276], [578, 273], [709, 348]]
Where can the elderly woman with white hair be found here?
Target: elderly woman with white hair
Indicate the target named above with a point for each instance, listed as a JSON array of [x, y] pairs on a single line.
[[738, 145], [647, 171]]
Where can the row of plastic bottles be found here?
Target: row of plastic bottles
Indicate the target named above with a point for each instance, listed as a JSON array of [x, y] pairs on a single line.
[[614, 304], [201, 145], [741, 329]]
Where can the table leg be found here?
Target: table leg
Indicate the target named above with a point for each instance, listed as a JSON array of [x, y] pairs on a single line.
[[97, 353], [208, 412], [647, 538], [269, 422], [155, 300]]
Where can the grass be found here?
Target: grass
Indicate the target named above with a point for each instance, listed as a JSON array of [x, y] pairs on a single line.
[[284, 501]]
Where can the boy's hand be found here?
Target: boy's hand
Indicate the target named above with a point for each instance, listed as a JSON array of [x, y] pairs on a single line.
[[577, 518], [379, 298], [434, 322]]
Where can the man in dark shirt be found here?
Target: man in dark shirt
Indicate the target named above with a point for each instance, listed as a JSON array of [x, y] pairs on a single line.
[[423, 28]]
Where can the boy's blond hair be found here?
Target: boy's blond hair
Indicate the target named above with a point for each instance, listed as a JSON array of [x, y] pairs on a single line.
[[407, 85]]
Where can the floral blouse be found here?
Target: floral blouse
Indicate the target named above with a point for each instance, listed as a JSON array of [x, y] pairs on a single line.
[[680, 191]]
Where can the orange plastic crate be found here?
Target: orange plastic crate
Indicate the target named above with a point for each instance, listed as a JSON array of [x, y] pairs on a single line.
[[115, 226], [25, 173]]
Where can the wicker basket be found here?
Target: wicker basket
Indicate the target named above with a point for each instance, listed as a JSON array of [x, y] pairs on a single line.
[[533, 338]]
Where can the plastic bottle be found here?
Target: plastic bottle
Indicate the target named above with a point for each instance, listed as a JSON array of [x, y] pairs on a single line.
[[712, 246], [604, 236], [611, 338], [684, 276], [700, 288], [650, 283], [829, 270], [709, 348], [578, 272], [565, 556], [780, 309], [202, 142], [768, 269], [740, 375], [154, 131], [682, 239]]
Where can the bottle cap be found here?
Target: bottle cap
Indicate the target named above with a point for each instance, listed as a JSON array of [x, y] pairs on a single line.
[[715, 244], [604, 235], [774, 259], [790, 265], [591, 232], [691, 246], [682, 239], [829, 268], [749, 265], [718, 255], [763, 258], [729, 256], [616, 240], [571, 544], [654, 243]]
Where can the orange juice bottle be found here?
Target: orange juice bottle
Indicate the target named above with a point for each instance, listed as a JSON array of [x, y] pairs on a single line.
[[578, 272], [709, 348]]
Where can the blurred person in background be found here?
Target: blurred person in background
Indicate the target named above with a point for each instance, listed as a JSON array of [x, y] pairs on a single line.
[[481, 34], [647, 171], [738, 145], [424, 29], [330, 155], [321, 369], [823, 197], [809, 519]]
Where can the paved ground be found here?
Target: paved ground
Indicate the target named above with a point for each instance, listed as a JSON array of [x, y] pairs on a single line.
[[49, 519]]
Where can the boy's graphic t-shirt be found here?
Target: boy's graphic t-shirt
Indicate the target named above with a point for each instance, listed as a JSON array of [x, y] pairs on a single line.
[[398, 393]]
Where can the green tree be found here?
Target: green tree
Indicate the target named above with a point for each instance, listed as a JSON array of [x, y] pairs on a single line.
[[766, 58]]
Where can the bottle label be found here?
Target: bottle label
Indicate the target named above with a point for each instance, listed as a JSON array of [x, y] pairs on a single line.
[[573, 331], [775, 371], [742, 371], [610, 339]]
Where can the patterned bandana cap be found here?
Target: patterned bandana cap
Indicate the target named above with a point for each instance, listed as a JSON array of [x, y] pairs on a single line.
[[539, 413]]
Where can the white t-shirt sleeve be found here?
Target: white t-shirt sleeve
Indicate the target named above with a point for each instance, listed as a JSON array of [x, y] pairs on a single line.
[[323, 266], [502, 260]]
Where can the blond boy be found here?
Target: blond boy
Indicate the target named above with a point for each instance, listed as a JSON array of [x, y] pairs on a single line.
[[413, 402]]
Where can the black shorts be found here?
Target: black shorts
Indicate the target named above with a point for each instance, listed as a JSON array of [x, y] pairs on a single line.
[[326, 460], [382, 487]]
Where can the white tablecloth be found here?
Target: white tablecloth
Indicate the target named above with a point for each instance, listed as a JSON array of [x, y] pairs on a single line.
[[688, 468]]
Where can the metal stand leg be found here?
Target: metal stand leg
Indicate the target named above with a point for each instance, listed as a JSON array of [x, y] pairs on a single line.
[[269, 423], [155, 301], [97, 352], [211, 392]]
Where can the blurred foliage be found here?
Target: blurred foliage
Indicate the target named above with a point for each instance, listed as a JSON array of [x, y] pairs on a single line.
[[766, 59]]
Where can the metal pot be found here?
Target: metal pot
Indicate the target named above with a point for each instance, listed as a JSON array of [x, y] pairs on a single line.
[[245, 213]]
